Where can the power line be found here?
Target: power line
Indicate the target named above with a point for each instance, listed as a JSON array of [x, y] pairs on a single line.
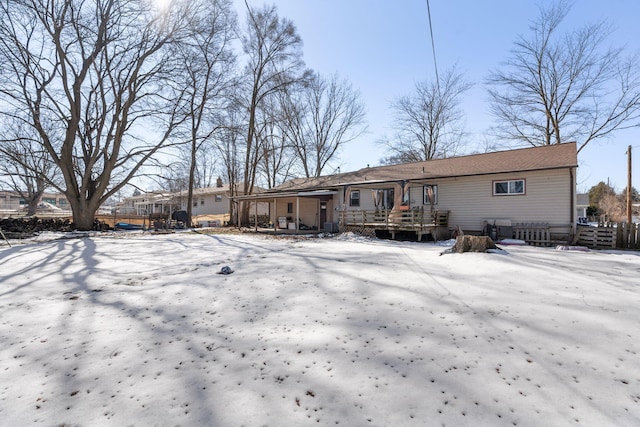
[[433, 46]]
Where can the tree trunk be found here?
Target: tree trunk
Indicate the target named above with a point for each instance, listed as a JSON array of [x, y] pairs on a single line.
[[84, 212], [471, 244], [84, 219], [192, 172], [32, 206]]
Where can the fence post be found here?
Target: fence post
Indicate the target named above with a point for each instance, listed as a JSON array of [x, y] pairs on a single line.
[[547, 234], [620, 240]]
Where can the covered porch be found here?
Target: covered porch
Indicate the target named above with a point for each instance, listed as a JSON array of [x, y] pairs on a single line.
[[295, 212]]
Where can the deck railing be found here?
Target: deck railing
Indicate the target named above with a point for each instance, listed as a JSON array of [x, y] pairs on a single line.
[[410, 220]]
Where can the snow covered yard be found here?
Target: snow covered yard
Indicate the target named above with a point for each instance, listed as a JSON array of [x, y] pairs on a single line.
[[336, 331]]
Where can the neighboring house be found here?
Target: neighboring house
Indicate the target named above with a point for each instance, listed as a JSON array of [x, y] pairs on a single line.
[[529, 185], [155, 202], [210, 206], [213, 205], [50, 204], [582, 204], [208, 201]]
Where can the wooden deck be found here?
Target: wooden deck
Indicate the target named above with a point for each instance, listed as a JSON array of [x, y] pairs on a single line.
[[418, 221]]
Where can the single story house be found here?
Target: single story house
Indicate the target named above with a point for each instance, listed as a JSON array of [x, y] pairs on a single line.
[[207, 201], [534, 186], [210, 206]]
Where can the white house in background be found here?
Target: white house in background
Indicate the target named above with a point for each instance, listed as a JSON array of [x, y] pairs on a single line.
[[155, 202], [582, 204]]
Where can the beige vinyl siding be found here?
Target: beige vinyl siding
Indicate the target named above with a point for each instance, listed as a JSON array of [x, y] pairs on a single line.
[[309, 208], [210, 206], [416, 197], [470, 200], [366, 199]]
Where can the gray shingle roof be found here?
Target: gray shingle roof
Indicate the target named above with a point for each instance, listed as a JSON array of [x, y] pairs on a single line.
[[519, 160]]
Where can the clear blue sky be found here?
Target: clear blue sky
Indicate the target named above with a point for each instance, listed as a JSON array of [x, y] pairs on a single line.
[[383, 47]]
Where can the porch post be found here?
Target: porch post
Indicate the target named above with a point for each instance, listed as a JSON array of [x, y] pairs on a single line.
[[275, 215], [297, 213], [256, 214]]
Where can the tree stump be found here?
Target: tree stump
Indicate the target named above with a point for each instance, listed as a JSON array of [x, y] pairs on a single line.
[[472, 244]]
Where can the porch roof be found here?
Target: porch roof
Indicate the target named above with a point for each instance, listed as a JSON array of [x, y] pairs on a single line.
[[266, 196]]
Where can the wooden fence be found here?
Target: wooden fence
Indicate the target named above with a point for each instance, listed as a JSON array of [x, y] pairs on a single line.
[[622, 235], [628, 236], [543, 234], [536, 234]]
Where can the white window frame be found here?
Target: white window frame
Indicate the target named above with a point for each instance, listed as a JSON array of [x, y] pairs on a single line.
[[512, 185], [354, 198]]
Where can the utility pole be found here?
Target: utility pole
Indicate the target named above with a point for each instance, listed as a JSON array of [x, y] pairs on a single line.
[[629, 218]]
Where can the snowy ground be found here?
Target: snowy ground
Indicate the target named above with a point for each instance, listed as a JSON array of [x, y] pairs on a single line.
[[345, 331]]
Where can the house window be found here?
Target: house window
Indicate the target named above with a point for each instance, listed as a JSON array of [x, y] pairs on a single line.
[[218, 197], [202, 201], [289, 207], [508, 188], [389, 198], [195, 203], [430, 195], [406, 196], [354, 198]]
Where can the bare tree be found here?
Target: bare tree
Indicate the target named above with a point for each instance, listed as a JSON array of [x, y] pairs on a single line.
[[90, 78], [326, 114], [27, 168], [429, 124], [559, 87], [208, 64], [277, 154], [174, 178], [228, 143], [206, 168], [273, 49], [25, 165], [611, 208]]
